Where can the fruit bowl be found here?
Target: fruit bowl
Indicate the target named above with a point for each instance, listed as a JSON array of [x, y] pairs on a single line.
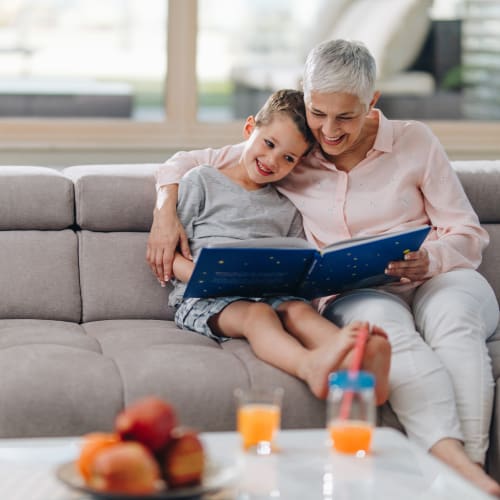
[[215, 478]]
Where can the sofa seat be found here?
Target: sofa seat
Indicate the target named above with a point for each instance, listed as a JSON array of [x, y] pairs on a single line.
[[55, 380]]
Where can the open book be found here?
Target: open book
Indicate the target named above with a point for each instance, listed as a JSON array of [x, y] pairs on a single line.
[[291, 266]]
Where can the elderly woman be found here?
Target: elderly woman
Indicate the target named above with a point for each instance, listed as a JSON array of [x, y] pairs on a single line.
[[369, 175]]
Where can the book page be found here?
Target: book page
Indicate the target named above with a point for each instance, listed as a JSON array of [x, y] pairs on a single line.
[[365, 239], [278, 242]]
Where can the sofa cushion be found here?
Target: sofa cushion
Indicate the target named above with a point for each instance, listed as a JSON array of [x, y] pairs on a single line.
[[494, 349], [118, 335], [39, 271], [480, 180], [168, 369], [114, 197], [490, 265], [19, 332], [116, 282], [57, 390], [300, 407], [35, 198]]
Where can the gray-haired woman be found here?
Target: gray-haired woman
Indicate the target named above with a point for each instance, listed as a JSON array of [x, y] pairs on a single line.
[[369, 175]]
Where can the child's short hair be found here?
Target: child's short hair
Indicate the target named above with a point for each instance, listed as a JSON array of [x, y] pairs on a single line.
[[289, 103]]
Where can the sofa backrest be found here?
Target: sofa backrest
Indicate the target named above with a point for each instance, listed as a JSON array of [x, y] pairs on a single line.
[[114, 208], [481, 182], [38, 249], [73, 243]]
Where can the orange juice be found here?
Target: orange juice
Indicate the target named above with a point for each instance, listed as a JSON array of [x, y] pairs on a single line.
[[351, 436], [257, 423]]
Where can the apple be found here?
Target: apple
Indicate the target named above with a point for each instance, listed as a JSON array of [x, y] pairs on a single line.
[[125, 467], [183, 461], [149, 421]]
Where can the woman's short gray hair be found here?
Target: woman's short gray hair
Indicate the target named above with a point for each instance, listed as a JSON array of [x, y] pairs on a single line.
[[340, 66]]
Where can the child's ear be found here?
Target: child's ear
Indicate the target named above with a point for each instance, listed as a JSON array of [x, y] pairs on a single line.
[[248, 127]]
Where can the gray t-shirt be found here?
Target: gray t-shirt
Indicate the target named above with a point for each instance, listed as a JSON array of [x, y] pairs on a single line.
[[214, 209]]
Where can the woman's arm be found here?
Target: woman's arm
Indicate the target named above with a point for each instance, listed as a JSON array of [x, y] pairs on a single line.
[[167, 233], [457, 239]]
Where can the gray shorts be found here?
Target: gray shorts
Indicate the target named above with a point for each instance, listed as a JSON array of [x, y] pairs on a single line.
[[193, 314]]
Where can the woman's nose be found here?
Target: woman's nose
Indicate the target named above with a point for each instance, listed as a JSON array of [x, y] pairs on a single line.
[[329, 127]]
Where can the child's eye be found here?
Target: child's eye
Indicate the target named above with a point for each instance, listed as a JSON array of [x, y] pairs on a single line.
[[269, 143], [289, 159]]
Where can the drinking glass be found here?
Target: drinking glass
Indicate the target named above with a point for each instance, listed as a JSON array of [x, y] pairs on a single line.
[[258, 418], [351, 411]]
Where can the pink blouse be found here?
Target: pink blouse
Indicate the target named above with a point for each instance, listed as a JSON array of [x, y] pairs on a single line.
[[406, 180]]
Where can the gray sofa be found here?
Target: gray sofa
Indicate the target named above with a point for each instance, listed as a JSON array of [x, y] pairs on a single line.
[[84, 326]]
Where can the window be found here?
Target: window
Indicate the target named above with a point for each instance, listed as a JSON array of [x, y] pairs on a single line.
[[83, 58], [175, 74]]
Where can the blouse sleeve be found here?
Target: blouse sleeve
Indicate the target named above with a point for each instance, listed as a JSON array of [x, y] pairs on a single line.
[[172, 171], [457, 239]]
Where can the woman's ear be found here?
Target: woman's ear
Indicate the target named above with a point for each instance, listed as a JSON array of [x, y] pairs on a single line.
[[248, 127], [374, 100]]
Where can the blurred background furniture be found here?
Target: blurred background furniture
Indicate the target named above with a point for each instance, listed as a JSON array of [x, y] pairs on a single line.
[[414, 55], [65, 98]]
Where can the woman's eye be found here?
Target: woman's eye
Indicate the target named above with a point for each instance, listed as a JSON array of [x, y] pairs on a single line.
[[289, 159]]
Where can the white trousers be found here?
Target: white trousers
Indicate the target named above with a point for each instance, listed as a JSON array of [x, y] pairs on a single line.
[[441, 382]]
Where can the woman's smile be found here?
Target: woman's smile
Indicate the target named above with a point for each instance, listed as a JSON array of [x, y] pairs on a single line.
[[333, 141]]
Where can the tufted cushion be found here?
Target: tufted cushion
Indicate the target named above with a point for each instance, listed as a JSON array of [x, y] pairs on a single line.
[[114, 197], [39, 275], [35, 198], [116, 282], [480, 182]]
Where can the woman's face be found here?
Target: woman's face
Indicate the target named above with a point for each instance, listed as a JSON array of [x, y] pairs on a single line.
[[336, 120]]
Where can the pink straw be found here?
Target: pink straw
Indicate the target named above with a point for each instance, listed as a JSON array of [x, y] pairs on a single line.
[[359, 349]]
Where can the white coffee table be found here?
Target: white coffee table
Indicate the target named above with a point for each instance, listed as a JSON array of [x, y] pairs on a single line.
[[304, 469]]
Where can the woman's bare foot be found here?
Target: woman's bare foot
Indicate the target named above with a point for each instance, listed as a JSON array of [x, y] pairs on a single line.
[[320, 362], [453, 454]]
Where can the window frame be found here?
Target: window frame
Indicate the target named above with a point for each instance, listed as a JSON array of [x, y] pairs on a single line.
[[181, 129]]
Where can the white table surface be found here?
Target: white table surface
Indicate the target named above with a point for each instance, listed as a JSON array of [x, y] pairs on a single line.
[[305, 468]]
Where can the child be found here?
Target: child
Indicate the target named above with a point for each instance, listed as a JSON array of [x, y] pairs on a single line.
[[238, 202]]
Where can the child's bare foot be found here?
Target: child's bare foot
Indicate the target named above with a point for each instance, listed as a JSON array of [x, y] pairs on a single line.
[[320, 362], [452, 453], [377, 360]]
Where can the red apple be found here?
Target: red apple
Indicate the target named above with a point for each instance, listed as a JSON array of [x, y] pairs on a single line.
[[149, 421], [125, 467], [184, 459]]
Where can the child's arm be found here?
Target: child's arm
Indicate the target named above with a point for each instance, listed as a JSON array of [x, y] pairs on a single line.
[[182, 267]]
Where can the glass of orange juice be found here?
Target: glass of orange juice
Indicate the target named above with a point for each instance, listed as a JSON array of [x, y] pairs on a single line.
[[258, 417], [351, 411]]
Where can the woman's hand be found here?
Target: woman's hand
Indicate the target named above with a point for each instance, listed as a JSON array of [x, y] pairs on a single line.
[[166, 235], [414, 267]]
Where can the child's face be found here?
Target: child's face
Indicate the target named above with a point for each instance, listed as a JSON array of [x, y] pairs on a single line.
[[272, 150]]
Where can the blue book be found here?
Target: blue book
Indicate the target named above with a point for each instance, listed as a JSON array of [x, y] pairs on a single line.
[[291, 266]]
